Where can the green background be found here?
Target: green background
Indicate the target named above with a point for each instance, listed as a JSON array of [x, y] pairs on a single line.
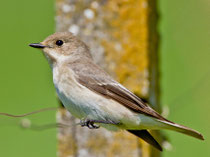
[[26, 82], [185, 68], [25, 79]]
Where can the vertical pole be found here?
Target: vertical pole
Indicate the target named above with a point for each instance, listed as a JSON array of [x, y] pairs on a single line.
[[154, 89], [123, 40]]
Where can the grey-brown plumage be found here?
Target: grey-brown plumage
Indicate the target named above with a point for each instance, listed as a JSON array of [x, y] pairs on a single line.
[[87, 91], [96, 79]]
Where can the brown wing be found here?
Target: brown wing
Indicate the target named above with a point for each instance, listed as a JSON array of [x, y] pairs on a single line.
[[97, 80]]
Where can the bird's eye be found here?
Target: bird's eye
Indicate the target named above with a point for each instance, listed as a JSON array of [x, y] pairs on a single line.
[[59, 42]]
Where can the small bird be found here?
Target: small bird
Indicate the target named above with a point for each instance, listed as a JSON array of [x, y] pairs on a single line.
[[94, 97]]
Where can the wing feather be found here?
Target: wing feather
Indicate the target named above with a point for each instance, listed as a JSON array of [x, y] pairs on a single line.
[[97, 80]]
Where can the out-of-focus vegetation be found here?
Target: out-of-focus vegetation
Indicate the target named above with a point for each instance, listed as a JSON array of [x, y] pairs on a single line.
[[25, 79], [185, 68]]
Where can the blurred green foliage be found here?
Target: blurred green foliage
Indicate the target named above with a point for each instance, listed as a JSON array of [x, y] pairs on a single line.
[[26, 82], [185, 68], [25, 79]]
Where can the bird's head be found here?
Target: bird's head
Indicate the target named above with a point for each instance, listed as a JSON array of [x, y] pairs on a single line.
[[62, 46]]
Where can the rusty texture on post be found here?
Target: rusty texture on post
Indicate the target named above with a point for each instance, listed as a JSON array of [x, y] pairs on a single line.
[[123, 40]]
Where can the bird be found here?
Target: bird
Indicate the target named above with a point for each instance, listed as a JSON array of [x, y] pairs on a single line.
[[89, 93]]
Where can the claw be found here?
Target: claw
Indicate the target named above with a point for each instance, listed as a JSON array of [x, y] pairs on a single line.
[[93, 126], [89, 123]]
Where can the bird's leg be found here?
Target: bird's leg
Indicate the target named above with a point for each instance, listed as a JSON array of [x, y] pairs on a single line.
[[90, 123]]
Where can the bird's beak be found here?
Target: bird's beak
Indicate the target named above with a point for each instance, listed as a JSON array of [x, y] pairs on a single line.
[[37, 45]]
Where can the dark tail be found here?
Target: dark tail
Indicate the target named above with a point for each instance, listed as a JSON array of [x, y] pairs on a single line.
[[147, 137]]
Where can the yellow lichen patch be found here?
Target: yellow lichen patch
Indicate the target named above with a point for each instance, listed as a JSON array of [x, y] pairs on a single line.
[[98, 145], [67, 149], [67, 144], [124, 143], [127, 49], [145, 148]]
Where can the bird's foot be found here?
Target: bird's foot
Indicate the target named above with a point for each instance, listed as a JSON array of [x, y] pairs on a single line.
[[89, 123]]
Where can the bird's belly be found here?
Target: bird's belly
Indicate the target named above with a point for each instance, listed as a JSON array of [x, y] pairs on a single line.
[[84, 103], [80, 101], [95, 107], [71, 105]]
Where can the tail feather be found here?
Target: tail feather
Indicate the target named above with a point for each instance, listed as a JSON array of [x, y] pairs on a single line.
[[147, 137], [182, 129]]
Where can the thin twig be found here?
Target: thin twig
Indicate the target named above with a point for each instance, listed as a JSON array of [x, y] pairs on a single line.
[[30, 113]]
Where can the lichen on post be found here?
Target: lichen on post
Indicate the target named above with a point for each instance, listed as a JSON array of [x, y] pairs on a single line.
[[123, 40]]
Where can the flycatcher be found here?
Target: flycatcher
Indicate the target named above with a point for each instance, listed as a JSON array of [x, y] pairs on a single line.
[[93, 96]]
